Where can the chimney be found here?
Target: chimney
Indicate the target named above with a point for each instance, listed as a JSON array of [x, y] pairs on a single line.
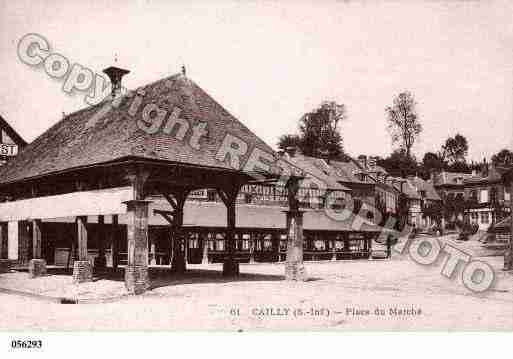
[[115, 75], [291, 151], [484, 170], [362, 160], [372, 162]]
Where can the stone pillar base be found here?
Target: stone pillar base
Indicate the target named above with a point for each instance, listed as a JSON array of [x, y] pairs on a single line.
[[100, 263], [82, 272], [37, 268], [508, 260], [178, 264], [136, 279], [295, 272], [231, 268], [5, 265]]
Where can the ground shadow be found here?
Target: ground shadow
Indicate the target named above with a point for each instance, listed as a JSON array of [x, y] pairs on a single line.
[[162, 277]]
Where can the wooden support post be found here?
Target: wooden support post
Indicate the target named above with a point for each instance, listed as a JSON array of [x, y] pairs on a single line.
[[275, 240], [3, 241], [100, 262], [508, 254], [178, 245], [229, 196], [37, 265], [205, 243], [114, 236], [294, 266], [136, 272], [24, 248], [252, 247], [153, 249], [333, 244], [82, 268], [178, 262]]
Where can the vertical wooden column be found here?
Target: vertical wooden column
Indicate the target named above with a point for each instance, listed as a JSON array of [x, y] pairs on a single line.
[[229, 196], [178, 261], [4, 262], [153, 250], [24, 248], [275, 240], [294, 266], [205, 243], [136, 272], [508, 254], [3, 241], [333, 246], [100, 262], [252, 247], [37, 265], [82, 268], [114, 241]]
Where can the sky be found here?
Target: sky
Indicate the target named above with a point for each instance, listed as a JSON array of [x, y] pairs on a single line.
[[270, 62]]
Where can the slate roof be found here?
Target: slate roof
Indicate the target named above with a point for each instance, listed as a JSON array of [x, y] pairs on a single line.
[[449, 178], [427, 186], [12, 133], [79, 140], [318, 168], [493, 175], [345, 172]]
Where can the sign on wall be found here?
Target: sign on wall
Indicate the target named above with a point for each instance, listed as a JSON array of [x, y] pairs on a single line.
[[8, 149]]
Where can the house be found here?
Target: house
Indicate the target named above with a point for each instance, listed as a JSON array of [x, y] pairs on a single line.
[[487, 198], [423, 196]]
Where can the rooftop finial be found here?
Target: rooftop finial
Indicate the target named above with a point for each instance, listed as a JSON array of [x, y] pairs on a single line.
[[115, 57], [184, 71]]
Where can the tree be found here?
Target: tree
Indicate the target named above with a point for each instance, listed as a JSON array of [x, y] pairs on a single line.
[[403, 122], [319, 134], [399, 164], [431, 162], [503, 158], [455, 149]]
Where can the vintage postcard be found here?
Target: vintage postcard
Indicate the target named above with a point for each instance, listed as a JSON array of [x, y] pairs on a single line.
[[255, 166]]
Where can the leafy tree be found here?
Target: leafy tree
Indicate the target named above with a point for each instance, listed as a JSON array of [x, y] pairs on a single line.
[[319, 134], [431, 162], [455, 149], [503, 158], [403, 122], [459, 167], [399, 164]]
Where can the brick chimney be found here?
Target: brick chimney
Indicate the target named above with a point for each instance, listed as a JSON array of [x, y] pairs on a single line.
[[362, 160], [115, 75]]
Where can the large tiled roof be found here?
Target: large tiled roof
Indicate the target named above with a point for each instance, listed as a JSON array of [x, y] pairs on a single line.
[[85, 139], [4, 125]]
